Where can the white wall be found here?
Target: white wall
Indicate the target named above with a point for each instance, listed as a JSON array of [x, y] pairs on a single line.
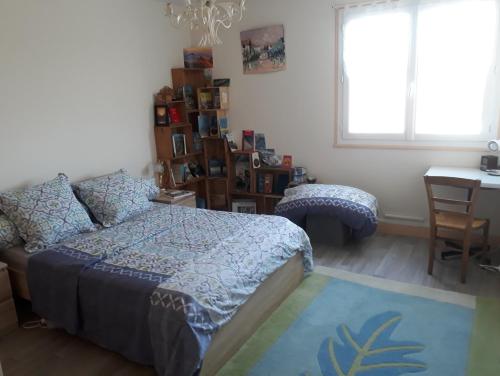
[[295, 110], [76, 85]]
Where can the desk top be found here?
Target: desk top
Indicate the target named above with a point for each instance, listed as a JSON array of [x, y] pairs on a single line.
[[487, 181]]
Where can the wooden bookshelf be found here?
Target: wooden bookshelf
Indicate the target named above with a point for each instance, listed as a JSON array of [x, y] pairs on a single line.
[[265, 201], [213, 189]]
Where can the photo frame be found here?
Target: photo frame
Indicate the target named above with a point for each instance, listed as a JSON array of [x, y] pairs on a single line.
[[244, 206]]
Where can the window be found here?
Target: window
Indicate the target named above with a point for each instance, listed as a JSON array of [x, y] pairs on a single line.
[[419, 72]]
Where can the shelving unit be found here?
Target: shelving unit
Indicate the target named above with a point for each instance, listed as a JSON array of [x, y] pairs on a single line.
[[213, 189], [266, 202]]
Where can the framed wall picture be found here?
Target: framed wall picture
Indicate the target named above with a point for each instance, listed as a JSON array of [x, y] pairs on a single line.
[[263, 50]]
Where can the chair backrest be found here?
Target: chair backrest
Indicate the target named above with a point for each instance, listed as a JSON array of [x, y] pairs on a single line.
[[465, 208]]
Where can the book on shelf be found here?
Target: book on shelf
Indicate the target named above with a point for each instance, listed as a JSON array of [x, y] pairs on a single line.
[[206, 100], [248, 140], [175, 118], [216, 103], [223, 126], [260, 183], [260, 141], [282, 182], [214, 126], [268, 183], [177, 173], [231, 141], [204, 125], [188, 94], [242, 173], [179, 144], [197, 143]]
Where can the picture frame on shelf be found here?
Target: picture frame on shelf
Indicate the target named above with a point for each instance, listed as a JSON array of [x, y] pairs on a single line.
[[231, 141], [248, 143], [287, 161], [162, 118], [179, 144], [244, 206], [198, 57]]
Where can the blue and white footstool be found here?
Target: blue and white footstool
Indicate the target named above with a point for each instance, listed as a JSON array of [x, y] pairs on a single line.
[[353, 207]]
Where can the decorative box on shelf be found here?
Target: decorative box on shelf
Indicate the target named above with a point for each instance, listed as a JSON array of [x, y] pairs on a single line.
[[8, 315], [177, 197]]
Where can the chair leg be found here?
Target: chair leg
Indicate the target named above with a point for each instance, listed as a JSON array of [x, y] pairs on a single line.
[[465, 257], [485, 249], [432, 250]]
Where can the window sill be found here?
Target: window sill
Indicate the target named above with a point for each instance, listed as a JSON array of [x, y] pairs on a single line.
[[395, 146]]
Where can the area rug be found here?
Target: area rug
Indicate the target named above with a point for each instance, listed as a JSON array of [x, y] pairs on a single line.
[[344, 324]]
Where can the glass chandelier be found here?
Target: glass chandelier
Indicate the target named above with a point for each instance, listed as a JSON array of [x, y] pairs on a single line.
[[206, 16]]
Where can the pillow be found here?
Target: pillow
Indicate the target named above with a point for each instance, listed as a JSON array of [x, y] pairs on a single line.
[[46, 214], [9, 236], [148, 187], [113, 198]]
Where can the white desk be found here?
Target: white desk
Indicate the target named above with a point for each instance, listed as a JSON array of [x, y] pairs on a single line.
[[487, 181]]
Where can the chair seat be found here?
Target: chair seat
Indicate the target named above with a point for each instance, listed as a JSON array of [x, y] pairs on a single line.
[[458, 222]]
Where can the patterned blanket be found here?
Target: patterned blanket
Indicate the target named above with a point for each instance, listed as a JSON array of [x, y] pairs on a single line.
[[353, 207], [158, 287]]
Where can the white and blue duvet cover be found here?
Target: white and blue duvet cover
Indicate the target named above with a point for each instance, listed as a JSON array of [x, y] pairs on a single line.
[[355, 208], [156, 288]]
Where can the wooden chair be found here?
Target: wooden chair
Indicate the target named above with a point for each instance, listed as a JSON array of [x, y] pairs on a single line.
[[447, 222]]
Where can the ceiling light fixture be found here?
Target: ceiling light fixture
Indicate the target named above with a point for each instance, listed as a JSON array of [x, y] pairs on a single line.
[[206, 16]]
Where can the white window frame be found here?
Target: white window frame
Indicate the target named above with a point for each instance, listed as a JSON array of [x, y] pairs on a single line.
[[409, 139]]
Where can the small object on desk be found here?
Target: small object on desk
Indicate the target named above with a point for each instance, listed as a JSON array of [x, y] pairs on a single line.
[[8, 315], [489, 162], [177, 197], [493, 172]]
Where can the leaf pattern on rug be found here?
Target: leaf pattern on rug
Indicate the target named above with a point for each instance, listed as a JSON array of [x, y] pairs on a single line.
[[371, 352]]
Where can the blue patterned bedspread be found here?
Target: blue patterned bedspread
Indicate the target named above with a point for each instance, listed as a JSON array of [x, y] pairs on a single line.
[[158, 287], [355, 208]]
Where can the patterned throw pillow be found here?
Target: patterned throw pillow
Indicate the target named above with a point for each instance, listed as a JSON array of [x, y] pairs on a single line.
[[9, 236], [46, 214], [113, 198], [148, 187]]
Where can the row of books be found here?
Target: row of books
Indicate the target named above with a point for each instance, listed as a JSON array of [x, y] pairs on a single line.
[[271, 183], [212, 126], [209, 99]]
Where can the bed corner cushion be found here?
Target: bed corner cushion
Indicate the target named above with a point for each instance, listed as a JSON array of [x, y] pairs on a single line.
[[355, 208]]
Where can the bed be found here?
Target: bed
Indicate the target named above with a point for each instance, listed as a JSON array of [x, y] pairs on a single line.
[[175, 287]]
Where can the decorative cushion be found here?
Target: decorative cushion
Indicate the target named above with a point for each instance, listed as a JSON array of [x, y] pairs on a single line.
[[9, 236], [148, 187], [113, 198], [46, 214]]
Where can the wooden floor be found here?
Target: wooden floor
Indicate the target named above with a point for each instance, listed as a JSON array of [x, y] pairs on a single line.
[[43, 352]]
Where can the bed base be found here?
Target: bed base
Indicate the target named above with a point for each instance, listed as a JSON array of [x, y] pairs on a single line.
[[228, 340]]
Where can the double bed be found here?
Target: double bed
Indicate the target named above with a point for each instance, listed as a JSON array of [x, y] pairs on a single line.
[[176, 288]]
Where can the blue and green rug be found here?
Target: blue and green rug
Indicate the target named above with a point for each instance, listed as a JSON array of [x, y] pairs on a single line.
[[343, 324]]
